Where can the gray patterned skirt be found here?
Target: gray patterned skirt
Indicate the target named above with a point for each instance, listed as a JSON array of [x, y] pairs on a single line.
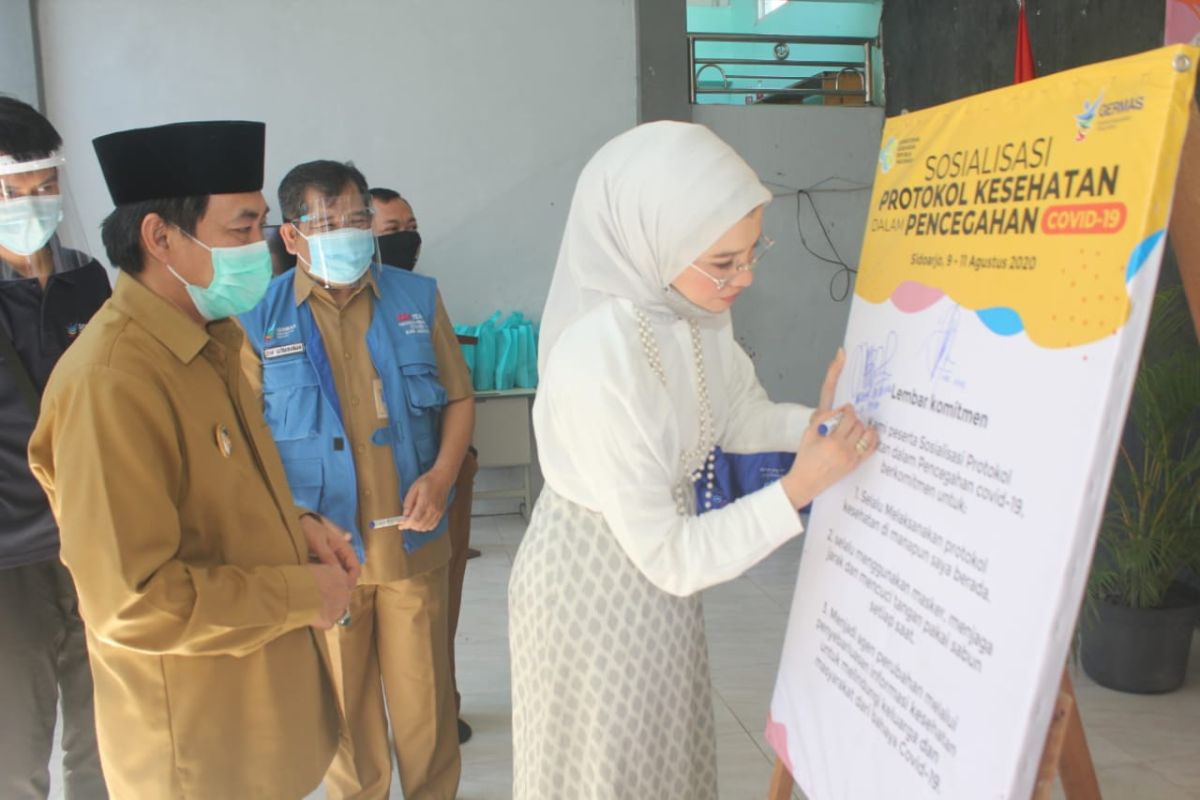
[[611, 692]]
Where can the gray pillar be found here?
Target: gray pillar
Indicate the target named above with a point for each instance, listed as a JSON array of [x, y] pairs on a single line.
[[18, 51], [662, 60]]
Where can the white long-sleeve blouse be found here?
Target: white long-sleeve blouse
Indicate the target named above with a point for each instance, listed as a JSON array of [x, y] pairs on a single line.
[[610, 438]]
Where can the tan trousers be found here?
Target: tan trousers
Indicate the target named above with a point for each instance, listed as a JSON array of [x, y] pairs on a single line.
[[394, 652], [458, 526]]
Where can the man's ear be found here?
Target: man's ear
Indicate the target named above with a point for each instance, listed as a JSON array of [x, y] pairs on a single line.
[[289, 235], [155, 242]]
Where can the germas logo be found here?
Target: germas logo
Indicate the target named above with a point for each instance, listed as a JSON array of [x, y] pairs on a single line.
[[1083, 122], [282, 333], [887, 155], [1126, 106]]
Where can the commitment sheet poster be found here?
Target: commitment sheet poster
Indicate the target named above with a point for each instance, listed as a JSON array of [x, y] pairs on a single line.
[[1006, 278]]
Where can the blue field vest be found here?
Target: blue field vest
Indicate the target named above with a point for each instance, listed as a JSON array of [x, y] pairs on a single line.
[[301, 405]]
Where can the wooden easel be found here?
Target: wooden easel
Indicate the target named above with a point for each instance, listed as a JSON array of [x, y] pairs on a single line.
[[1066, 753]]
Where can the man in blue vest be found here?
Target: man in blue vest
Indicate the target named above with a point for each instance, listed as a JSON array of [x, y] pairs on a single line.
[[369, 399]]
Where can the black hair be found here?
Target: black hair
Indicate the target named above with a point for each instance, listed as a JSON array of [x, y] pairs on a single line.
[[327, 177], [25, 134], [385, 195], [121, 231]]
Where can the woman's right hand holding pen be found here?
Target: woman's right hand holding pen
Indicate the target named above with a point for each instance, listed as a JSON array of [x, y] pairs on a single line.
[[834, 444]]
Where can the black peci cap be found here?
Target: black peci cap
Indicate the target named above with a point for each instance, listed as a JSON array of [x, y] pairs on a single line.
[[183, 159]]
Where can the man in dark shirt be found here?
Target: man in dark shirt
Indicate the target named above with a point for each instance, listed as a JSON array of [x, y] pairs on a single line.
[[48, 292]]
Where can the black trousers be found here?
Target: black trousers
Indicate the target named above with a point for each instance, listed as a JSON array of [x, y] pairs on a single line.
[[43, 653]]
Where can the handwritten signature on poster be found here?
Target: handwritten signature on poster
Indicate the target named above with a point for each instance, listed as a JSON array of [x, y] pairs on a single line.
[[870, 373], [939, 349]]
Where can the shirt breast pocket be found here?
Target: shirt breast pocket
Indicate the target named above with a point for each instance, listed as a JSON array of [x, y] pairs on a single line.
[[291, 399], [305, 477]]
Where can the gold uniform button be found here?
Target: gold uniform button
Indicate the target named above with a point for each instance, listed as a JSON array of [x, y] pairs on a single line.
[[224, 440]]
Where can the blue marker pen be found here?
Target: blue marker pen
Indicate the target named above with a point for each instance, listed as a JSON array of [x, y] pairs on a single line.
[[830, 425]]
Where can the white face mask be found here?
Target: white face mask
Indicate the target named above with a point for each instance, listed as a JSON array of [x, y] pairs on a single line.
[[27, 223], [686, 309], [341, 257]]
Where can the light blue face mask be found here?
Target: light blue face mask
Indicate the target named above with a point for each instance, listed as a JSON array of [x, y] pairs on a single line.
[[27, 223], [239, 282], [342, 256]]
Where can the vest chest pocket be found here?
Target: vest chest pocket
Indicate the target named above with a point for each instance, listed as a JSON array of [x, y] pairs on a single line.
[[291, 399], [426, 398], [425, 393]]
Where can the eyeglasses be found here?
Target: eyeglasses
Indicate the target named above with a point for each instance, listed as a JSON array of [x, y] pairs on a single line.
[[324, 223], [761, 247]]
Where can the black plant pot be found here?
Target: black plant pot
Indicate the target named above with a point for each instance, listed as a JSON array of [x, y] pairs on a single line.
[[1144, 651]]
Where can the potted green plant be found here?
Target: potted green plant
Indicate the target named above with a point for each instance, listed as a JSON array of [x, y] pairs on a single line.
[[1138, 629]]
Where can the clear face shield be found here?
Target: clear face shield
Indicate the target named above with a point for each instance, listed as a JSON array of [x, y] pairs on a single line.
[[340, 241], [40, 234]]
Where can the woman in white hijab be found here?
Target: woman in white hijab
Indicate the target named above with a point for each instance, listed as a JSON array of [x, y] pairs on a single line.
[[641, 377]]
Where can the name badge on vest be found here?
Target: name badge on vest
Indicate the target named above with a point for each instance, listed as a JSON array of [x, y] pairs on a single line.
[[283, 350], [381, 411]]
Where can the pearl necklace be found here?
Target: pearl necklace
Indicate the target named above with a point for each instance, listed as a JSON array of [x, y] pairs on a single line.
[[699, 462]]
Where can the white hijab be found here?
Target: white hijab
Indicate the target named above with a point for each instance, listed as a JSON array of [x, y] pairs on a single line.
[[647, 205]]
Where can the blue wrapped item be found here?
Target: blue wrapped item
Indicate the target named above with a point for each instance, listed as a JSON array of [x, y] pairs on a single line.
[[738, 474], [484, 375], [527, 376], [468, 350]]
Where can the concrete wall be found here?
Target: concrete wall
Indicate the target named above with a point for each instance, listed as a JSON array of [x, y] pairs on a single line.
[[481, 113], [788, 321]]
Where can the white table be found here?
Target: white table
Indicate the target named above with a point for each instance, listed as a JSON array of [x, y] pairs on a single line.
[[504, 438]]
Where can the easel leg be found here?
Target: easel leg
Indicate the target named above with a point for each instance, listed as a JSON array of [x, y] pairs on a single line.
[[1066, 754], [782, 783], [1075, 765], [1059, 725]]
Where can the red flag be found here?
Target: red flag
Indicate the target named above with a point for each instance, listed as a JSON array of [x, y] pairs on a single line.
[[1023, 71]]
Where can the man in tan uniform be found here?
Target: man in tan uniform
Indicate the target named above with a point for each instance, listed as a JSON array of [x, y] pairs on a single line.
[[370, 402], [395, 226], [191, 561]]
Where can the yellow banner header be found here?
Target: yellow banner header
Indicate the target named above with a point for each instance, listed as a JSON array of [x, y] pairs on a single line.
[[1036, 229]]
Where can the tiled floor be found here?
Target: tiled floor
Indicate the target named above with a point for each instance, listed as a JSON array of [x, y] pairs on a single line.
[[1145, 748]]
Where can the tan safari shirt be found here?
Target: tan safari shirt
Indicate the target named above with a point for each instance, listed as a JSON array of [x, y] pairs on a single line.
[[179, 529]]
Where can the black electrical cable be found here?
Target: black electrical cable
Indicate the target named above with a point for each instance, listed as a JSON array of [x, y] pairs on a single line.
[[844, 275]]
